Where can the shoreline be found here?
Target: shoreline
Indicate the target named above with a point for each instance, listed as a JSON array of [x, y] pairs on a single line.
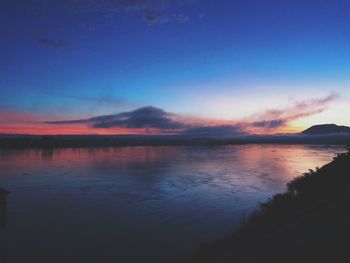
[[307, 223], [125, 141]]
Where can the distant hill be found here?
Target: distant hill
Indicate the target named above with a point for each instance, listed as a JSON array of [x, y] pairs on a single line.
[[326, 129]]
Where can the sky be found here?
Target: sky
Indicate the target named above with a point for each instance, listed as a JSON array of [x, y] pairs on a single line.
[[173, 66]]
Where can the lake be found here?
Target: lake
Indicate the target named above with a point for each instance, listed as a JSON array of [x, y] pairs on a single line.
[[137, 204]]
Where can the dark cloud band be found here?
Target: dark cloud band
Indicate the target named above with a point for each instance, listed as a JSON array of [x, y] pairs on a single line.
[[155, 118], [146, 117]]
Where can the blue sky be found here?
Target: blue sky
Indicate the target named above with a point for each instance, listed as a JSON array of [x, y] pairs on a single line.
[[223, 60]]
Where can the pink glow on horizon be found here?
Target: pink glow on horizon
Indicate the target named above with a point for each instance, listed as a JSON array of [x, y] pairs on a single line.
[[46, 129], [12, 122]]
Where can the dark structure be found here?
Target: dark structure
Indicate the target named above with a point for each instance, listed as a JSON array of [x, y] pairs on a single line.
[[3, 195]]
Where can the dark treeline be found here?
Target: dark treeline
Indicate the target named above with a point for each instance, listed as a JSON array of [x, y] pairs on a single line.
[[308, 223], [63, 141]]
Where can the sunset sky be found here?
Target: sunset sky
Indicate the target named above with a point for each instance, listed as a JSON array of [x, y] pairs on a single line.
[[173, 66]]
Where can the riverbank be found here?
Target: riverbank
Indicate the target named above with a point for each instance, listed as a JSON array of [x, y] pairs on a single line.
[[308, 223], [88, 141]]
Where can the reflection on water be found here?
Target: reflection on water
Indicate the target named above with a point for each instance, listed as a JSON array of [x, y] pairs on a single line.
[[137, 204]]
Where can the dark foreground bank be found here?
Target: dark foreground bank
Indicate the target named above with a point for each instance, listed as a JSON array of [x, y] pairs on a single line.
[[308, 223]]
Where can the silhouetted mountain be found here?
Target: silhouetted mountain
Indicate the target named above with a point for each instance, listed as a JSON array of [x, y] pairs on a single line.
[[326, 129]]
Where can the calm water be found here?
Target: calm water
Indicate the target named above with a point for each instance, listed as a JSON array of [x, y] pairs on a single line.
[[137, 204]]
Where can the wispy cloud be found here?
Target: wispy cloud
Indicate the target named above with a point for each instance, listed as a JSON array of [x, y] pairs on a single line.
[[53, 43], [102, 99], [125, 5], [155, 18], [276, 118], [153, 11], [165, 122]]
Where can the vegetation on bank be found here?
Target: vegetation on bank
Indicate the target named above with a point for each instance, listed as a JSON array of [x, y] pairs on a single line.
[[79, 141], [101, 141], [310, 222]]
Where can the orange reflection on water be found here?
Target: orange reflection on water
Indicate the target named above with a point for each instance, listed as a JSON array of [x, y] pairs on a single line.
[[282, 161], [135, 199]]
